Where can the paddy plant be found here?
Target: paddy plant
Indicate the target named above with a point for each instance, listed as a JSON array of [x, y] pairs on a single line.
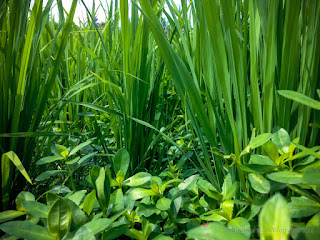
[[197, 120]]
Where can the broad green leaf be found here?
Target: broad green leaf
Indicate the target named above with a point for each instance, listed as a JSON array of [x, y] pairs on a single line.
[[286, 177], [84, 233], [121, 161], [163, 204], [259, 183], [227, 183], [311, 176], [79, 147], [274, 219], [303, 207], [23, 196], [227, 207], [10, 214], [261, 160], [213, 216], [257, 168], [86, 158], [257, 142], [49, 159], [77, 196], [72, 161], [116, 232], [103, 189], [300, 98], [138, 193], [186, 186], [271, 150], [137, 179], [240, 225], [281, 139], [61, 148], [214, 231], [88, 202], [147, 227], [98, 225], [58, 189], [231, 192], [59, 219], [47, 174], [79, 218], [117, 200], [36, 209], [26, 230], [209, 189], [313, 227]]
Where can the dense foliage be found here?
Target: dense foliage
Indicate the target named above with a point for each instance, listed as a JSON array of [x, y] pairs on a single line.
[[197, 121]]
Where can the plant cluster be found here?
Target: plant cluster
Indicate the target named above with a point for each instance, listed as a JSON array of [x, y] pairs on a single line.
[[165, 121]]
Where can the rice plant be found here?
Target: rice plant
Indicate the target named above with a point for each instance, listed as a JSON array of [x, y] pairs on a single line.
[[161, 117]]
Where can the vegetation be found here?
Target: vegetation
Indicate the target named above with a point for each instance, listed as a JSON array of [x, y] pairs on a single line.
[[197, 121]]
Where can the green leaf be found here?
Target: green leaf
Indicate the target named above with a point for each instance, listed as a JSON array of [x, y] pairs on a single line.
[[116, 232], [303, 207], [227, 207], [257, 142], [36, 209], [49, 159], [89, 202], [311, 176], [26, 230], [271, 150], [77, 196], [313, 227], [274, 219], [61, 148], [240, 225], [98, 225], [79, 147], [23, 196], [103, 189], [138, 193], [209, 189], [213, 215], [281, 139], [9, 215], [259, 183], [47, 174], [186, 186], [261, 160], [300, 98], [121, 161], [86, 158], [257, 168], [84, 233], [72, 161], [117, 200], [79, 218], [231, 192], [286, 177], [214, 231], [163, 204], [59, 218], [137, 179], [16, 161]]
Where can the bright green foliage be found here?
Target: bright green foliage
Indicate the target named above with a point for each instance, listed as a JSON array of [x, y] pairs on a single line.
[[163, 121]]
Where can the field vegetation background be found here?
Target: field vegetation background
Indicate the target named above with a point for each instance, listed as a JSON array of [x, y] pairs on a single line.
[[164, 121]]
